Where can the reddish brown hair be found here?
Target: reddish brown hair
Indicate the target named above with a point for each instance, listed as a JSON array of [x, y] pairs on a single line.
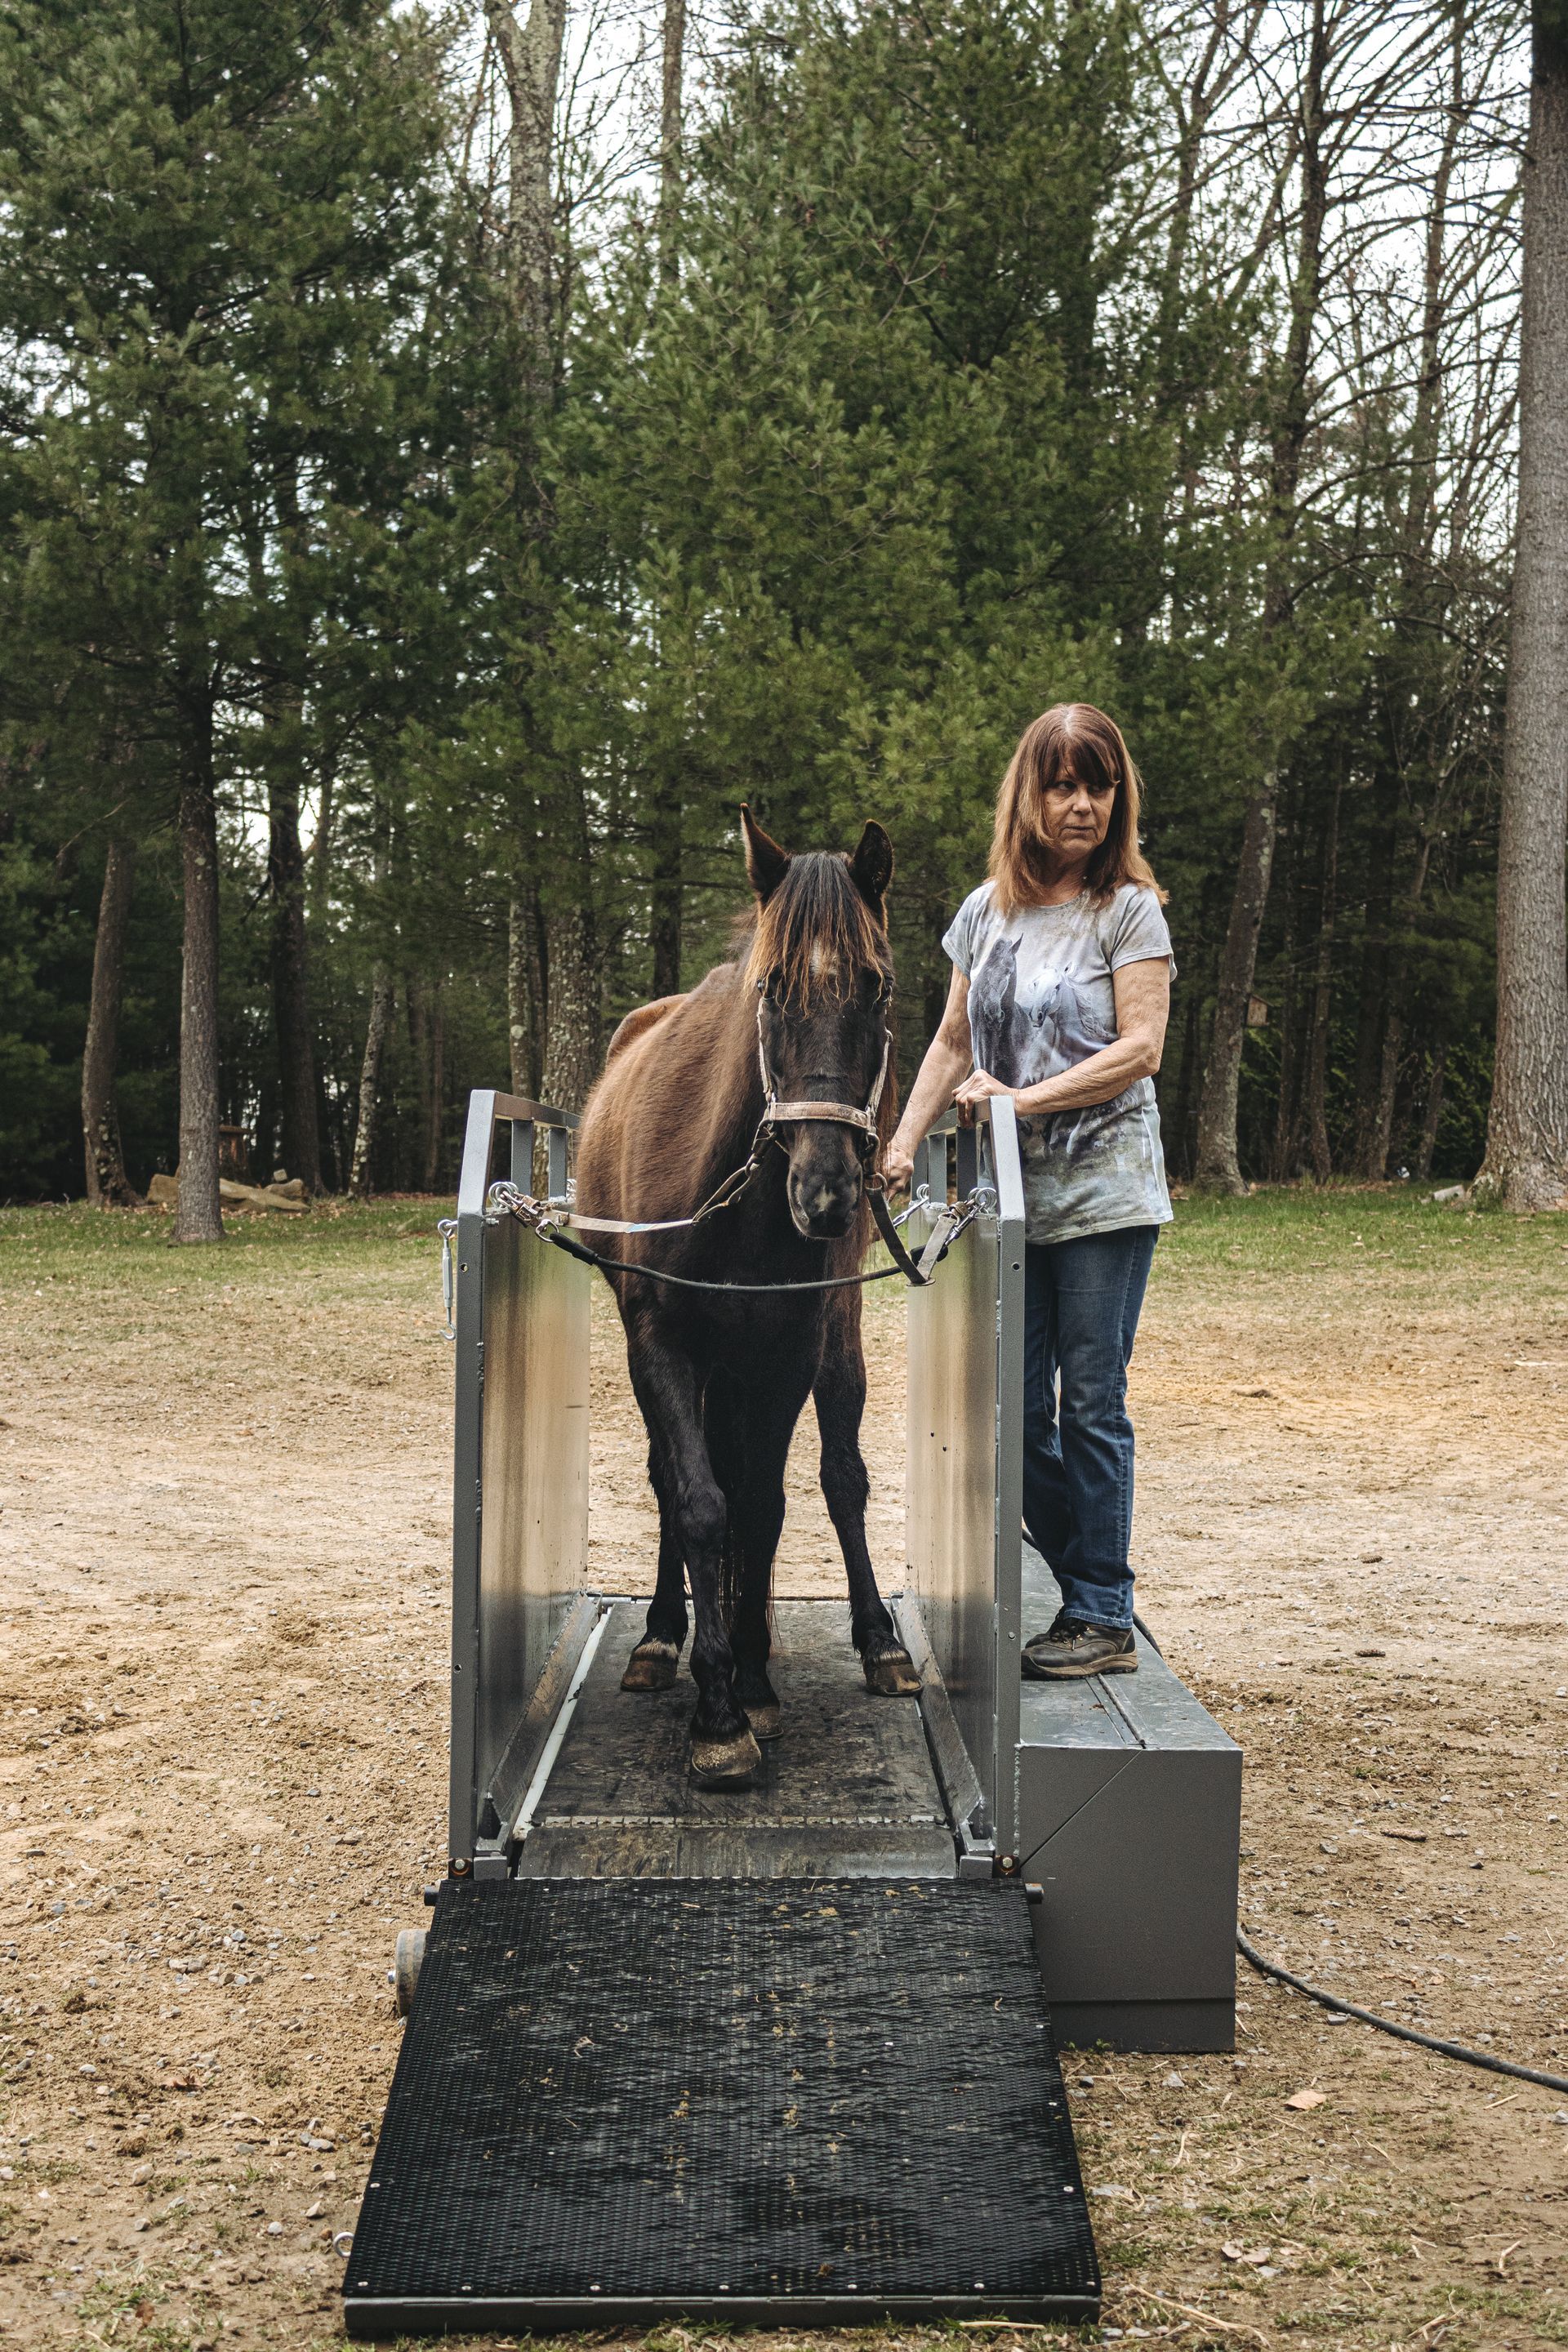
[[1072, 738]]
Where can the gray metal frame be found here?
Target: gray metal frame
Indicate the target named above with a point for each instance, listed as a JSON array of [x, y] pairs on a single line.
[[964, 1484], [519, 1611]]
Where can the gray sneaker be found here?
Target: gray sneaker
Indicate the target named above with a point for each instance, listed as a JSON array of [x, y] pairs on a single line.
[[1070, 1648]]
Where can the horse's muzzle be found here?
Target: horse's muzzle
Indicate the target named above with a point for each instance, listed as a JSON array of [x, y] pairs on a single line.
[[824, 1207]]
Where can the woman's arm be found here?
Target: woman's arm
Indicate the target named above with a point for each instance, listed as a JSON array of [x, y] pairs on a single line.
[[1143, 1009], [947, 1057]]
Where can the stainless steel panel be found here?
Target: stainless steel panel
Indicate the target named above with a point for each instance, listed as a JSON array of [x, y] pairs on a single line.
[[521, 1463], [964, 1465]]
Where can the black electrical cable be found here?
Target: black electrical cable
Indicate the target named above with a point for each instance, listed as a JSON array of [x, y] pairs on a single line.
[[1249, 1951], [1403, 2032]]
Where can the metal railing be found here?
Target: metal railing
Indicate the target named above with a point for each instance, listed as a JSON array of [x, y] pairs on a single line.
[[520, 1501], [964, 1477]]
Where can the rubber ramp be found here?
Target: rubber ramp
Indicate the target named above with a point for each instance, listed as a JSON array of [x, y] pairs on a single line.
[[765, 2099]]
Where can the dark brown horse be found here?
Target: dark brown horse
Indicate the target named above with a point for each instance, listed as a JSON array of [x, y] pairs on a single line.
[[722, 1375]]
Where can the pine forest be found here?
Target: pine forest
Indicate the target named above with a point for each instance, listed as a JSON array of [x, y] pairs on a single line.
[[453, 457]]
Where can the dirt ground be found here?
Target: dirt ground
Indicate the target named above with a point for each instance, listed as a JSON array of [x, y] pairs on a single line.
[[223, 1665]]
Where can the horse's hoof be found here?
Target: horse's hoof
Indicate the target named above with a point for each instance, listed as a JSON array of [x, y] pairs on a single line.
[[731, 1763], [651, 1666], [766, 1719], [892, 1675]]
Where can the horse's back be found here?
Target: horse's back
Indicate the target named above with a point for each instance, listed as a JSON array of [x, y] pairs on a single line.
[[651, 1122], [639, 1022]]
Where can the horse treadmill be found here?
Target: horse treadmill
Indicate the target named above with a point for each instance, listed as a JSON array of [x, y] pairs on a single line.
[[761, 2056]]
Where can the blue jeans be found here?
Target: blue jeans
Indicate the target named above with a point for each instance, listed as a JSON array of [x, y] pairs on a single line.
[[1081, 1301]]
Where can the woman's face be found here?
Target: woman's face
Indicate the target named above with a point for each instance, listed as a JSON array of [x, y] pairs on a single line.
[[1075, 816]]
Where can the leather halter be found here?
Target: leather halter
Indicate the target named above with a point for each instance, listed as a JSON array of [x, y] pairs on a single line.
[[839, 1113]]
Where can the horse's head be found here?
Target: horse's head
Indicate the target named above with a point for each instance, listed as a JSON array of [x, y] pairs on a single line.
[[823, 977]]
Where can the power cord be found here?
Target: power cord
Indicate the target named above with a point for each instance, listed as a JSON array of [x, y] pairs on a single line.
[[1249, 1951]]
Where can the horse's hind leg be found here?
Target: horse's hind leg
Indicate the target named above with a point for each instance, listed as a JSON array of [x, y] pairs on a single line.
[[839, 1391], [724, 1754], [652, 1665]]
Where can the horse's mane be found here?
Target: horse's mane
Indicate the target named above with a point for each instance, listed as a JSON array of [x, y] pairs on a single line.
[[815, 933]]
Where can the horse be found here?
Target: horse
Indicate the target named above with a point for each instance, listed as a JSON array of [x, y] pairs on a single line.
[[798, 1016]]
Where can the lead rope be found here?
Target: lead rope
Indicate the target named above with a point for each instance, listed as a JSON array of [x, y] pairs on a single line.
[[546, 1220]]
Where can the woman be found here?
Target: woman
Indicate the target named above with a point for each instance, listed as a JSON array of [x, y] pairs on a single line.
[[1062, 989]]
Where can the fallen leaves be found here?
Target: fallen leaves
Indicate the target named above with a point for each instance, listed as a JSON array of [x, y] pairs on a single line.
[[1305, 2100]]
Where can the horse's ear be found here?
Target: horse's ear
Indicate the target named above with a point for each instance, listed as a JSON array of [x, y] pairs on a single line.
[[766, 862], [872, 864]]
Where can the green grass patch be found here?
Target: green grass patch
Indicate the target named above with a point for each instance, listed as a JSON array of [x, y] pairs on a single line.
[[1399, 1233]]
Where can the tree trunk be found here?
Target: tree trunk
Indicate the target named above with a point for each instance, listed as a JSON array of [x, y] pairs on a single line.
[[322, 844], [1526, 1164], [1378, 1132], [198, 1217], [369, 1080], [301, 1148], [1323, 998], [1179, 1145], [529, 54], [1374, 1005], [524, 993], [106, 1184], [1218, 1168], [667, 901], [665, 913], [1283, 1156], [1432, 1114], [572, 1041], [436, 1097], [670, 132]]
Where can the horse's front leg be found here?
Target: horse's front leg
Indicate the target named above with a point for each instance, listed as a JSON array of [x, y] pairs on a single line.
[[724, 1754], [757, 1516], [652, 1665], [839, 1392]]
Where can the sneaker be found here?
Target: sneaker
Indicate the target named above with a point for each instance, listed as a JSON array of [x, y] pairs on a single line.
[[1071, 1648]]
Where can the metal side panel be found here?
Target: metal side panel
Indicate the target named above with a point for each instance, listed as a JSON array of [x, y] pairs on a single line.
[[963, 1468], [520, 1466], [788, 2100]]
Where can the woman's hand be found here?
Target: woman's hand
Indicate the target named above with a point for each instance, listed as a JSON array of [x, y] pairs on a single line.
[[978, 1087], [898, 1162]]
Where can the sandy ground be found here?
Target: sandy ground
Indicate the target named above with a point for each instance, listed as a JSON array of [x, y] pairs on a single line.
[[222, 1741]]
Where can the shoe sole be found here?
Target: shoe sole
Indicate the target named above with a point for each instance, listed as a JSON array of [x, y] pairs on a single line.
[[1125, 1664]]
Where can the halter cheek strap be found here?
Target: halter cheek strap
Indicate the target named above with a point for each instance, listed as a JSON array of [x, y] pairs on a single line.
[[840, 1114]]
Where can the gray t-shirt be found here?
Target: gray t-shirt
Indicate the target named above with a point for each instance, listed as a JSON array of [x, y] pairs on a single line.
[[1040, 999]]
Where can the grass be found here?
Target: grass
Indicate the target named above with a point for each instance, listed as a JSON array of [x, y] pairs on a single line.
[[1299, 1230], [1285, 1231]]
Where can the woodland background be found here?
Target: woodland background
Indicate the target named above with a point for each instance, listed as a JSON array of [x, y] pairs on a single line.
[[448, 458]]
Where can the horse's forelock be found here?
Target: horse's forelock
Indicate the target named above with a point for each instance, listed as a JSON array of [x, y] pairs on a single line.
[[816, 933]]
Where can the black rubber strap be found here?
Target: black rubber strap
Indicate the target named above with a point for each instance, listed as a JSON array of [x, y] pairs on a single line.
[[882, 1217]]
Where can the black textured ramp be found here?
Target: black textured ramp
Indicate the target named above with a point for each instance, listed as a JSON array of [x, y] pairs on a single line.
[[756, 2099]]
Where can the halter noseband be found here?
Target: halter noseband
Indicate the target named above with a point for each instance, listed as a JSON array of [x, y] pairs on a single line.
[[840, 1114]]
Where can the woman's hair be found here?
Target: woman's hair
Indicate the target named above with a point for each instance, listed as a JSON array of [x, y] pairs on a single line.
[[1071, 739]]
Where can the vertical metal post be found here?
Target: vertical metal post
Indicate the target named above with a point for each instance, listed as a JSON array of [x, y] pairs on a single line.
[[1007, 1173], [522, 1154], [556, 1142], [468, 1471], [966, 1144]]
